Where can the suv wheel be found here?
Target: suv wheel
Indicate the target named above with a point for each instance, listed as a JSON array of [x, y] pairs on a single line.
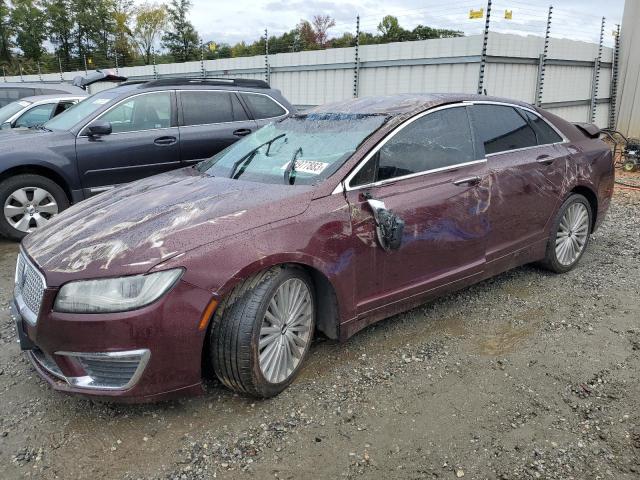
[[28, 202], [261, 337]]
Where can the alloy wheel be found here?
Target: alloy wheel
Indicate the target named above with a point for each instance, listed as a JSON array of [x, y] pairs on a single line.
[[572, 234], [29, 207], [286, 330]]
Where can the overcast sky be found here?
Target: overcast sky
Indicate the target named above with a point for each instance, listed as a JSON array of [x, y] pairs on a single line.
[[233, 21]]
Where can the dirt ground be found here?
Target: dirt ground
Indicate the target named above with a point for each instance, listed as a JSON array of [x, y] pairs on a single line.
[[528, 375]]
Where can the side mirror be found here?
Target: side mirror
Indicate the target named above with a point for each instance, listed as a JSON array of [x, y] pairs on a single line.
[[98, 129], [389, 227]]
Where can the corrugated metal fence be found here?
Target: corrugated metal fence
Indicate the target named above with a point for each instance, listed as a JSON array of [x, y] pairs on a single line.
[[441, 65]]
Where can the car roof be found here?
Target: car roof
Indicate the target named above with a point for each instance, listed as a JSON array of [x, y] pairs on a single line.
[[63, 87], [402, 104], [41, 98]]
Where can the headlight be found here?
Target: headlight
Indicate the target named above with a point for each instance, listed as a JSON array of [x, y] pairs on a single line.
[[115, 294]]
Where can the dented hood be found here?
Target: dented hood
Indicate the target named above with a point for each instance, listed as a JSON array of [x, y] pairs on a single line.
[[132, 228]]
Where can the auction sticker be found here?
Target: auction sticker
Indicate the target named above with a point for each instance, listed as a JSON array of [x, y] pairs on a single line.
[[309, 166]]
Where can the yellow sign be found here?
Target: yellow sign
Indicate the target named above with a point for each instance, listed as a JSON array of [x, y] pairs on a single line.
[[476, 13], [212, 46], [508, 14], [89, 60]]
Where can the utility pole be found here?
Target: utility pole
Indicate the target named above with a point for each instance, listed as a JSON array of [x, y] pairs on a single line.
[[596, 76], [267, 70], [483, 56], [356, 67], [543, 59], [614, 79]]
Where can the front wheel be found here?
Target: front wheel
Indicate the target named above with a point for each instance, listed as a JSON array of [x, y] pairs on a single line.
[[29, 202], [261, 336], [570, 234]]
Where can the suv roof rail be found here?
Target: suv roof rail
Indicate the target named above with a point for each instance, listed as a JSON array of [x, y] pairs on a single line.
[[232, 82]]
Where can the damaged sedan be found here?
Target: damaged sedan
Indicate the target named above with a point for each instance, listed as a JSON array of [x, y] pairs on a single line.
[[322, 223]]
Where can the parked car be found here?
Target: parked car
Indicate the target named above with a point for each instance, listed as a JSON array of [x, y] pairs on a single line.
[[31, 112], [124, 134], [10, 92], [324, 222]]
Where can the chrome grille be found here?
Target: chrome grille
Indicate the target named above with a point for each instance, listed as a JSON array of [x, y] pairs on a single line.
[[29, 285], [111, 372]]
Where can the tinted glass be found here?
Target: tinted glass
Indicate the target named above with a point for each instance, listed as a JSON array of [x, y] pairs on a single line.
[[36, 116], [142, 112], [11, 109], [202, 108], [544, 132], [263, 106], [437, 140], [303, 149], [501, 128]]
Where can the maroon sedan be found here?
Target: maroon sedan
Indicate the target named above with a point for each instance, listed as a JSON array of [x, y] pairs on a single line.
[[324, 222]]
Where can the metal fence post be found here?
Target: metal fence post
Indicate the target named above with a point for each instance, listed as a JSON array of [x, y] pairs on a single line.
[[596, 77], [483, 57], [60, 67], [86, 72], [155, 69], [543, 60], [117, 69], [614, 80], [267, 70], [39, 70], [21, 79], [356, 68], [4, 74], [203, 72]]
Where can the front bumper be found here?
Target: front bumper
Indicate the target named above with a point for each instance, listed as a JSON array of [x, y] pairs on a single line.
[[143, 355]]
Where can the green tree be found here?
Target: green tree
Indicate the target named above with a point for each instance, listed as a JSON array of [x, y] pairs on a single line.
[[391, 30], [124, 39], [5, 32], [61, 25], [182, 40], [28, 21], [151, 21], [425, 33]]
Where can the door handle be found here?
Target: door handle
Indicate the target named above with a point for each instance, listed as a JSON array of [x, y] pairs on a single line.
[[471, 181], [545, 159], [165, 141], [241, 132]]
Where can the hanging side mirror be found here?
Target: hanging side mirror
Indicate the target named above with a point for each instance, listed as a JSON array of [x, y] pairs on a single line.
[[389, 227]]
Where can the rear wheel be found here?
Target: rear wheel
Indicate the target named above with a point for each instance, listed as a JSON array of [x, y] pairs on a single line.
[[29, 202], [570, 235], [261, 337]]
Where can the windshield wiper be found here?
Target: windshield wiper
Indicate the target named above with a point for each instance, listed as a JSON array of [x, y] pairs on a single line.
[[290, 172], [248, 158]]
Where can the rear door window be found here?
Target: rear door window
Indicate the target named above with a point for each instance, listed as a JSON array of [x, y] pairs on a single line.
[[263, 106], [544, 133], [437, 140], [500, 128], [207, 107]]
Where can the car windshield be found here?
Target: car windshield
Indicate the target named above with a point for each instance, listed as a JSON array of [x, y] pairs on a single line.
[[11, 109], [78, 112], [302, 149]]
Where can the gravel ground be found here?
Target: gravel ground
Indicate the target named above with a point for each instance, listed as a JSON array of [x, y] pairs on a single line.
[[527, 375]]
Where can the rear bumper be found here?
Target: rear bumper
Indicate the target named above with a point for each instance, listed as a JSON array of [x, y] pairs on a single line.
[[145, 355]]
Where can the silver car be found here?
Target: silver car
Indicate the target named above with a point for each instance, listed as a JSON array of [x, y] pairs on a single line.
[[33, 111]]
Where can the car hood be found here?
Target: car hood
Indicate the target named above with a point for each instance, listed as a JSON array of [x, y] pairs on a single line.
[[132, 228]]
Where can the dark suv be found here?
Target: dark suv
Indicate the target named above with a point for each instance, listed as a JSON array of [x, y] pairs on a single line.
[[123, 134]]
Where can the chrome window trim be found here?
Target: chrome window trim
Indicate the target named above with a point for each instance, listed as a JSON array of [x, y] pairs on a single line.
[[80, 133], [344, 184], [528, 109], [234, 121]]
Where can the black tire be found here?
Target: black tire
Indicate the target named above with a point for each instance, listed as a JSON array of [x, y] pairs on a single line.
[[235, 333], [10, 185], [551, 261]]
